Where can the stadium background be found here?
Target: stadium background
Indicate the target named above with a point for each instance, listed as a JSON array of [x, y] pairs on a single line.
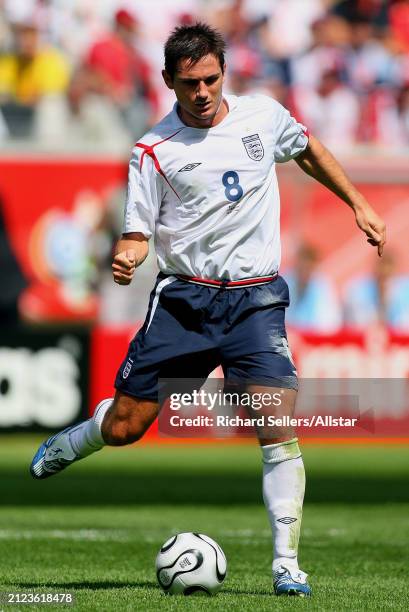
[[66, 130]]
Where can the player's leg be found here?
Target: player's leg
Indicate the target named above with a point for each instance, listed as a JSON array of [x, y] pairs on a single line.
[[283, 484], [257, 354], [168, 345], [283, 480], [128, 419], [115, 422], [283, 476]]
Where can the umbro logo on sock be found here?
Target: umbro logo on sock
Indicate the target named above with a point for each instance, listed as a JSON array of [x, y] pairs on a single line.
[[189, 167], [287, 520]]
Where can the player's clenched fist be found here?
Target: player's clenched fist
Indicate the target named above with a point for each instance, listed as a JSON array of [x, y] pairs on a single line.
[[123, 266]]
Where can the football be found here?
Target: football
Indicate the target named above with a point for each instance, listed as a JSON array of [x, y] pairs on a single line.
[[191, 563]]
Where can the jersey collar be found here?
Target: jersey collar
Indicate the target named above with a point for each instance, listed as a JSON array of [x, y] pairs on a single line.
[[231, 103]]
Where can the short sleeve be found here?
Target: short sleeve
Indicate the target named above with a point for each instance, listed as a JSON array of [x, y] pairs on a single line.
[[291, 136], [143, 197]]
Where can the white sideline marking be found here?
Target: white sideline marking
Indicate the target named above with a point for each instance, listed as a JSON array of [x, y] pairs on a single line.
[[93, 535], [245, 533], [336, 532], [247, 536]]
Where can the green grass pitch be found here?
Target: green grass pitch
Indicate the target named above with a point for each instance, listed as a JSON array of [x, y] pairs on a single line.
[[96, 528]]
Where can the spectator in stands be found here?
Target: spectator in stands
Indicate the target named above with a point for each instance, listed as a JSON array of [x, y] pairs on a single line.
[[319, 57], [372, 11], [119, 71], [386, 115], [245, 68], [369, 61], [289, 26], [314, 303], [330, 39], [331, 112], [29, 74], [399, 23], [382, 297]]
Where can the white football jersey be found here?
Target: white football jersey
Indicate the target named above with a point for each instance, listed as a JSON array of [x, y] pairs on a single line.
[[210, 196]]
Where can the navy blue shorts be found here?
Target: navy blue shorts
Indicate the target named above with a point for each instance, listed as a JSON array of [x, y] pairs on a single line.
[[191, 329]]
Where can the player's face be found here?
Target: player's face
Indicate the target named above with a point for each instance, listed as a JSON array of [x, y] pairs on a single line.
[[198, 89]]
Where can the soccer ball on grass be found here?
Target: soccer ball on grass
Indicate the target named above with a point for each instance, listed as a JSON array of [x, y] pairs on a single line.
[[191, 563]]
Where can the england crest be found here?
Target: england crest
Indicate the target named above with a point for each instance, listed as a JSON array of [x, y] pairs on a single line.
[[254, 147]]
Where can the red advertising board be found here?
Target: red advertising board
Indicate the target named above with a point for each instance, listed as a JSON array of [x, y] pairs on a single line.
[[371, 368], [51, 208]]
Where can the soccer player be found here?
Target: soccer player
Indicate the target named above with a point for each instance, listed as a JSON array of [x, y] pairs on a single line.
[[203, 183]]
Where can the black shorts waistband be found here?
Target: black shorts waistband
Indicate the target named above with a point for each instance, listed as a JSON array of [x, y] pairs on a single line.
[[226, 284]]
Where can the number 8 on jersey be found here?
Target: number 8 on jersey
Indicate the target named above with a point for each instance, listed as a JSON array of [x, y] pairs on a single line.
[[233, 190]]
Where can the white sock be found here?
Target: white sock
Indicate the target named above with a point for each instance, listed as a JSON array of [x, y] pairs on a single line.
[[86, 437], [283, 494]]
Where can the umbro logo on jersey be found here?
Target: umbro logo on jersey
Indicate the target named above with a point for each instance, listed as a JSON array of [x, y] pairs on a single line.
[[287, 520], [254, 147], [189, 167]]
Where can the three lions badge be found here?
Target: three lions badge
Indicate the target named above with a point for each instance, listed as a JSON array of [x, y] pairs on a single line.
[[254, 147]]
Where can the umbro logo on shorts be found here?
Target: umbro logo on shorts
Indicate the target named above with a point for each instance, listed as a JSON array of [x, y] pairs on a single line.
[[189, 167], [287, 520]]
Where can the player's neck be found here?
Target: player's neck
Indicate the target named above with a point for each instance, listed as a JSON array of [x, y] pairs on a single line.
[[194, 122]]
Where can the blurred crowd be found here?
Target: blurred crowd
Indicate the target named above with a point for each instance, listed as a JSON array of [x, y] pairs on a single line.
[[80, 73], [381, 296]]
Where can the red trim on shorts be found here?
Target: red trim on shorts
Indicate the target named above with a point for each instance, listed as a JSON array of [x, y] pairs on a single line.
[[148, 150], [245, 282]]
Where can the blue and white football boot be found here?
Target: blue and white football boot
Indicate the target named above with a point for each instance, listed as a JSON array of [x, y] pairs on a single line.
[[54, 455], [291, 582]]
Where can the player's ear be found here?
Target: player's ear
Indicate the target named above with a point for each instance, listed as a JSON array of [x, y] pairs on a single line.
[[224, 71], [168, 79]]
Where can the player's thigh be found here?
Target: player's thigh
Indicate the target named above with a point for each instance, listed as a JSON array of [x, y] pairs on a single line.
[[171, 345], [256, 349]]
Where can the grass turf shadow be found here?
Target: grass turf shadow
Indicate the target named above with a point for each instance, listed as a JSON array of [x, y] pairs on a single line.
[[213, 489], [91, 585], [99, 585]]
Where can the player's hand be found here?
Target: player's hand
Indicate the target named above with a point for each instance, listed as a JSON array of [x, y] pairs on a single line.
[[373, 226], [123, 267]]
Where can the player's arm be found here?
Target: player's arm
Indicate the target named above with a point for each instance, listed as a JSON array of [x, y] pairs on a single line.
[[130, 251], [319, 163]]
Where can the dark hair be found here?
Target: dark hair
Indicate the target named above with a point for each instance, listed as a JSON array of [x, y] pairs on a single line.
[[193, 42]]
